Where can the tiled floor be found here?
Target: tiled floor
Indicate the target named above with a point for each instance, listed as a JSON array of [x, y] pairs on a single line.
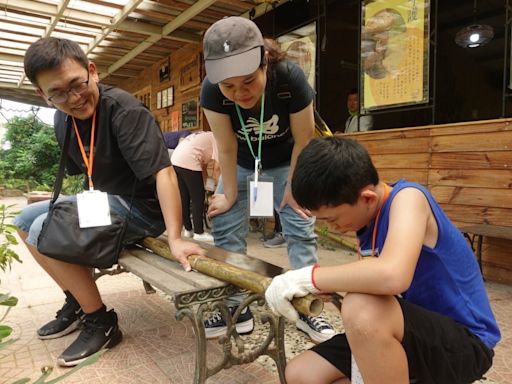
[[156, 347]]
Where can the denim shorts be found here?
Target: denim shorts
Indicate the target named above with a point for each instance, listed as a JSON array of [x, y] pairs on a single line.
[[31, 219], [438, 349]]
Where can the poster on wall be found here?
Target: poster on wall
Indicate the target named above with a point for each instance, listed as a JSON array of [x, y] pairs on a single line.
[[189, 115], [300, 46], [175, 120], [394, 53], [164, 98], [158, 100]]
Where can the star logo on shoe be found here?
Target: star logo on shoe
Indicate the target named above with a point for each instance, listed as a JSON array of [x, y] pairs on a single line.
[[107, 334]]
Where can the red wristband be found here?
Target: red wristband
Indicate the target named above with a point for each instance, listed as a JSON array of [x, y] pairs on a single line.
[[313, 276]]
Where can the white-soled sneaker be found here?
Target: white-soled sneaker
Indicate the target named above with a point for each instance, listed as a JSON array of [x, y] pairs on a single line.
[[317, 327], [188, 234], [205, 236]]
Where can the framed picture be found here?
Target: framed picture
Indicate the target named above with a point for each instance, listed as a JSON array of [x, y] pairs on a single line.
[[164, 72], [190, 74], [189, 114], [170, 96], [158, 100], [164, 98]]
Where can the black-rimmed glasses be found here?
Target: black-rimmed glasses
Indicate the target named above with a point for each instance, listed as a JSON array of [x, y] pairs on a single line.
[[61, 96]]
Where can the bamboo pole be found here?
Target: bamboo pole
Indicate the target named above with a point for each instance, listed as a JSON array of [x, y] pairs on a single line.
[[309, 305]]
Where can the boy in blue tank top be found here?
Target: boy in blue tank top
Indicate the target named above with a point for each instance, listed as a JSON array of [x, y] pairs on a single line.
[[417, 311]]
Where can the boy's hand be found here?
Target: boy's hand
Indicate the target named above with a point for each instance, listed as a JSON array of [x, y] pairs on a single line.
[[285, 287]]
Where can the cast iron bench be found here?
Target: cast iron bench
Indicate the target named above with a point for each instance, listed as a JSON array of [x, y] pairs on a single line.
[[193, 294], [479, 231]]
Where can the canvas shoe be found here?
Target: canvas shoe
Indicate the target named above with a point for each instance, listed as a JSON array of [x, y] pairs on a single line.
[[317, 328], [99, 331], [276, 241], [187, 233], [205, 236], [215, 326], [66, 321]]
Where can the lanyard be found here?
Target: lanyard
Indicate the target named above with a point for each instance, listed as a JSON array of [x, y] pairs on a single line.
[[87, 160], [246, 134], [374, 235]]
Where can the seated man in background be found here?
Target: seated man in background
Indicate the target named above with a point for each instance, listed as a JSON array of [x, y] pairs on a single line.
[[128, 149], [355, 122]]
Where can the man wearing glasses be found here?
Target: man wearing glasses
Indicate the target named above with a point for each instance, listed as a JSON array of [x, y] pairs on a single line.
[[128, 148]]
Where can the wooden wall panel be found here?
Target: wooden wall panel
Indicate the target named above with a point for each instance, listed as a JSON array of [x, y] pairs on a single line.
[[471, 178], [470, 214], [472, 160], [483, 142], [404, 160], [398, 145], [391, 175], [472, 196]]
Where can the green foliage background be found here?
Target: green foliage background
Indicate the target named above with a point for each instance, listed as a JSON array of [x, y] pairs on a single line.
[[32, 159]]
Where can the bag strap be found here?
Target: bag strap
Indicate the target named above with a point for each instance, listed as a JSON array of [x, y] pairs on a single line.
[[60, 175], [62, 163]]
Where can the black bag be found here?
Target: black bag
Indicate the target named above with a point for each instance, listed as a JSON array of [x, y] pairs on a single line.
[[62, 238]]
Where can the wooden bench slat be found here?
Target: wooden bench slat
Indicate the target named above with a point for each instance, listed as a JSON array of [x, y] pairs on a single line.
[[153, 275], [198, 280], [489, 231]]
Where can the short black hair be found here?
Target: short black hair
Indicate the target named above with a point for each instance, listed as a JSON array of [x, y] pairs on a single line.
[[353, 91], [49, 53], [331, 171]]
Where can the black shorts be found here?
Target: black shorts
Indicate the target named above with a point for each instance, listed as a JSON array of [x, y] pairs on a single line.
[[439, 350]]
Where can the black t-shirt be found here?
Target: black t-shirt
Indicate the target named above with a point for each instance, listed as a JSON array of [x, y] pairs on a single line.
[[129, 146], [277, 139]]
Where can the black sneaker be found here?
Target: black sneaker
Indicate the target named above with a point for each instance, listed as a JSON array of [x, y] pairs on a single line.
[[66, 321], [317, 328], [215, 326], [100, 331]]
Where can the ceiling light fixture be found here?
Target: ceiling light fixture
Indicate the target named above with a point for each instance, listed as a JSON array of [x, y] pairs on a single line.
[[474, 35]]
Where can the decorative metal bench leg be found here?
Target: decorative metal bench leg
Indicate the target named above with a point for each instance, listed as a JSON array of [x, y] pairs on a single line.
[[233, 346]]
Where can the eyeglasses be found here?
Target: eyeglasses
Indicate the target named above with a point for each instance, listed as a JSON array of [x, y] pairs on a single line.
[[61, 96]]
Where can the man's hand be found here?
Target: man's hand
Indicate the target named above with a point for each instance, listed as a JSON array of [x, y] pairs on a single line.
[[285, 287], [182, 249]]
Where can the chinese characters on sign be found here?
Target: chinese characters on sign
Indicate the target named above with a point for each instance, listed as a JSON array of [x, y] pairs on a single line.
[[394, 53]]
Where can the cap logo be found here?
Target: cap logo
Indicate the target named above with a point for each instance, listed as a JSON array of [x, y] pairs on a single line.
[[227, 46]]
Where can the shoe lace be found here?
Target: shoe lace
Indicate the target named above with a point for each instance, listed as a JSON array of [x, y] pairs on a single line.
[[214, 317], [66, 309], [319, 323]]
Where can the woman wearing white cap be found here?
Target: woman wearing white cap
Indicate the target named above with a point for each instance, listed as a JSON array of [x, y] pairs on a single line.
[[260, 130]]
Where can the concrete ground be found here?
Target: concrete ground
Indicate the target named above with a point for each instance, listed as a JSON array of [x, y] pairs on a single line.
[[156, 347]]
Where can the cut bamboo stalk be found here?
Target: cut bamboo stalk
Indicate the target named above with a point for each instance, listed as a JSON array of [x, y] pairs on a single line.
[[309, 305]]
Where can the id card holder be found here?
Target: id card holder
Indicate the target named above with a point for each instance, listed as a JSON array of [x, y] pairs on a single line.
[[93, 209], [261, 196]]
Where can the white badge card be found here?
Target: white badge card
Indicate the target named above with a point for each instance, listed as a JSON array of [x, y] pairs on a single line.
[[261, 196], [93, 209]]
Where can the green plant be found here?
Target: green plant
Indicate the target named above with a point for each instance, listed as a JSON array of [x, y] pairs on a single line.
[[32, 156], [7, 238]]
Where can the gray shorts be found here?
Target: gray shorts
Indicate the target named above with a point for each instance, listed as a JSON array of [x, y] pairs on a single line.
[[31, 219]]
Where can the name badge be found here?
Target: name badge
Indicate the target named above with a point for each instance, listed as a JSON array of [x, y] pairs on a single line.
[[261, 198], [93, 209]]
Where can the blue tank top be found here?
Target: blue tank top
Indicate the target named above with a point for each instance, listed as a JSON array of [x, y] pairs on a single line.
[[447, 278]]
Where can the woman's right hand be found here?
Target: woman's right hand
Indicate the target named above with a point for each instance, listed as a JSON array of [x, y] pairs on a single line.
[[219, 204]]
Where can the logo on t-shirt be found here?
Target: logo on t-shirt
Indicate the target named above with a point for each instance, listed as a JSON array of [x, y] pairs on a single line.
[[270, 129]]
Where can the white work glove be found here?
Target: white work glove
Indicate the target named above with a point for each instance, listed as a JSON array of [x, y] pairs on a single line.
[[285, 287]]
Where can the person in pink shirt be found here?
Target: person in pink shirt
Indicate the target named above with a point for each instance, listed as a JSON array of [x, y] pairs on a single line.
[[190, 160]]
